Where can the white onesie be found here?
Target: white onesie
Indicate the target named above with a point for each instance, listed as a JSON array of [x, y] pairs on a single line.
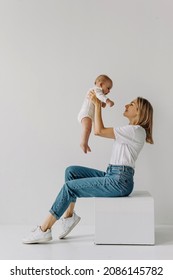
[[87, 109]]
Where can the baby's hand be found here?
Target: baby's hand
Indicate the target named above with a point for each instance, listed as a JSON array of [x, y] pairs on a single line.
[[103, 105], [109, 102]]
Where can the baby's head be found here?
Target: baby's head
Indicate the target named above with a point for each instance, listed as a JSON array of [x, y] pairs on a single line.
[[104, 82]]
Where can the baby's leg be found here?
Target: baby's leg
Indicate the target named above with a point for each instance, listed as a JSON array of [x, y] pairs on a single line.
[[86, 130]]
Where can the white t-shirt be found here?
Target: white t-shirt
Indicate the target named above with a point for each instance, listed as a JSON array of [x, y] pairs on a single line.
[[129, 141]]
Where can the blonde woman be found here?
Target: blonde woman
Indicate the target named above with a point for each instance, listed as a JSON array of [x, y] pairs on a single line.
[[116, 181]]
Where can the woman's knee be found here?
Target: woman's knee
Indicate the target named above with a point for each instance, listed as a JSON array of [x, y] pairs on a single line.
[[70, 173]]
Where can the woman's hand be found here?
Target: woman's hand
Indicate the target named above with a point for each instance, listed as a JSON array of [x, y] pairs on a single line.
[[99, 128], [92, 97]]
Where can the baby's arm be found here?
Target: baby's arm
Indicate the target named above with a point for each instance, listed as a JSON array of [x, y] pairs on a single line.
[[100, 95], [105, 101]]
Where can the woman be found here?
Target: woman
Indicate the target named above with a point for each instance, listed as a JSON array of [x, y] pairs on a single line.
[[87, 182]]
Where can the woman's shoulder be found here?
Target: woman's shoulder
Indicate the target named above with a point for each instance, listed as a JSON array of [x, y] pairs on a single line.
[[133, 130], [129, 127], [138, 128], [139, 133]]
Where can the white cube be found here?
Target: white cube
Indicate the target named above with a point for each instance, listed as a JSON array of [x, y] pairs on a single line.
[[125, 220]]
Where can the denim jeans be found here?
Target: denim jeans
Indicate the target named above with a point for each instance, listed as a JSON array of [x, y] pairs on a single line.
[[87, 182]]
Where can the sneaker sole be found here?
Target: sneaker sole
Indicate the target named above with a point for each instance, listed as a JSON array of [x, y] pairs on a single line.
[[38, 241], [70, 229]]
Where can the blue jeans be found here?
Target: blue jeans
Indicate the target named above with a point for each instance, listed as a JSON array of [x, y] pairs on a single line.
[[87, 182]]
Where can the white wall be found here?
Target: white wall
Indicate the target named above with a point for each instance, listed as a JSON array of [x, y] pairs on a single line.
[[50, 53]]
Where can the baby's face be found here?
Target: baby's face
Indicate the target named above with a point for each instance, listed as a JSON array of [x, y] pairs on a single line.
[[106, 87]]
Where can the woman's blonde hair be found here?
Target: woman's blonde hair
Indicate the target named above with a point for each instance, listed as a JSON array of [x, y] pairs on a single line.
[[146, 117]]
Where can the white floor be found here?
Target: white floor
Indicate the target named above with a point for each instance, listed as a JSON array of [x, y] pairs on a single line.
[[79, 245]]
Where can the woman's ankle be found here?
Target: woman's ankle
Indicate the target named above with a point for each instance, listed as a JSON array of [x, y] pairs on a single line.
[[43, 229], [68, 215]]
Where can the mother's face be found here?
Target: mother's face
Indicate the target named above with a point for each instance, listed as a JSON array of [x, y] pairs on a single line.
[[131, 111]]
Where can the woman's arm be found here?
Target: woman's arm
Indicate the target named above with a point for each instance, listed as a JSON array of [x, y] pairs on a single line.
[[99, 128]]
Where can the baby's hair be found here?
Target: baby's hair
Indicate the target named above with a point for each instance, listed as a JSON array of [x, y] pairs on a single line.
[[103, 78]]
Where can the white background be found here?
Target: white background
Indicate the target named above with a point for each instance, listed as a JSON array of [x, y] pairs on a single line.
[[50, 54]]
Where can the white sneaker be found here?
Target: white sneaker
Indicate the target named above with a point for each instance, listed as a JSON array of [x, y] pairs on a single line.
[[38, 236], [68, 224]]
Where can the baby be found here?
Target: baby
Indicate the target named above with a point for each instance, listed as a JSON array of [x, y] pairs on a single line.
[[102, 87]]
